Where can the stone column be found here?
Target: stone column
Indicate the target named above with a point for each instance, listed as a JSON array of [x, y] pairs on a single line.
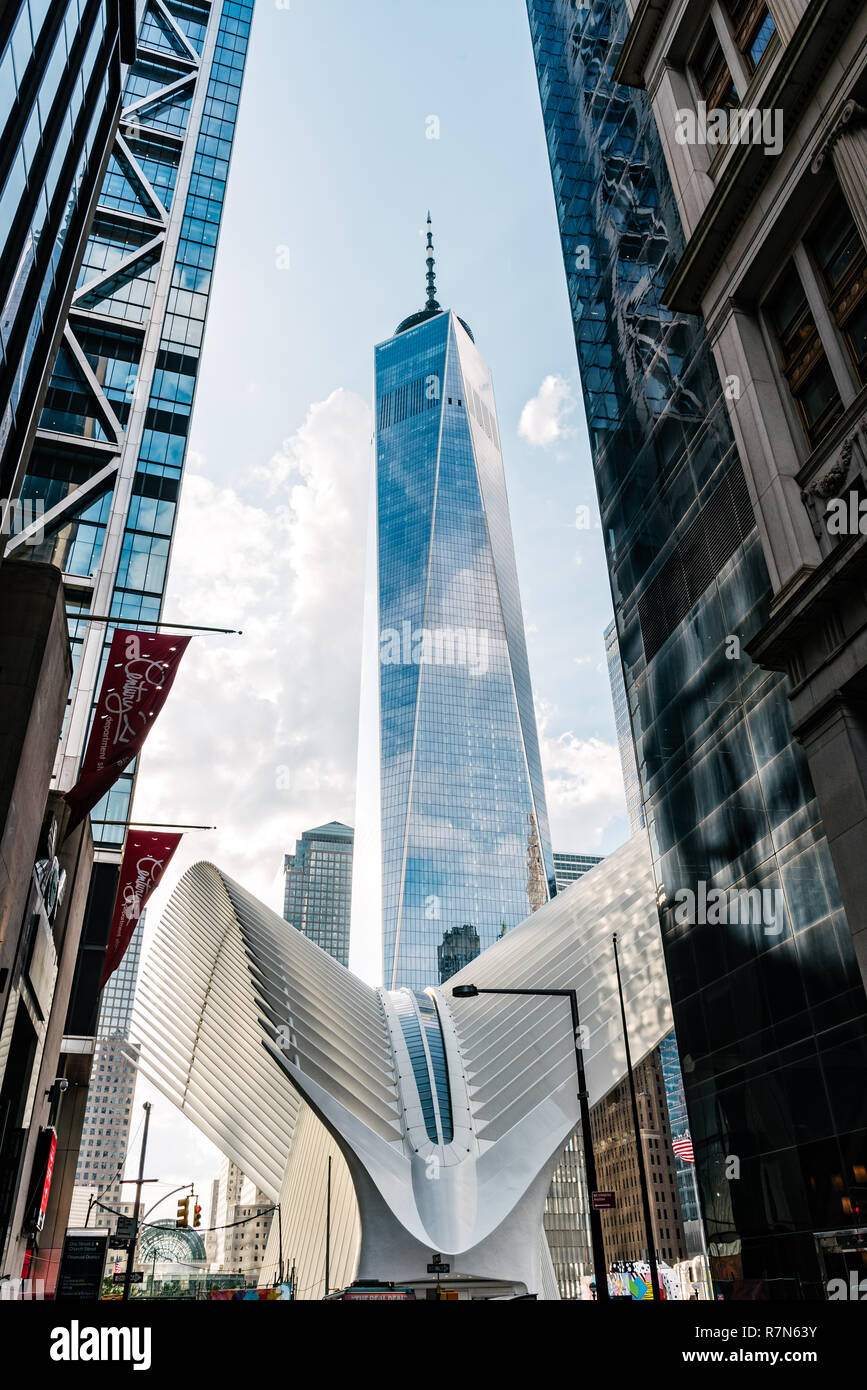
[[765, 444], [834, 738], [846, 144], [787, 15], [669, 93]]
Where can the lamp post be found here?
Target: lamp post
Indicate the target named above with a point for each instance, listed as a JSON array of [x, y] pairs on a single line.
[[599, 1264], [140, 1181]]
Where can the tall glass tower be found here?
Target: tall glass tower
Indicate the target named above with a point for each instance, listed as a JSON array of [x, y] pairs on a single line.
[[318, 885], [106, 466], [456, 841]]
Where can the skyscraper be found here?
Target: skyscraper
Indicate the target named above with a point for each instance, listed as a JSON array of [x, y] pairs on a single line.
[[769, 1006], [242, 1215], [109, 452], [318, 887], [625, 746], [60, 81], [105, 1135], [454, 829], [568, 868]]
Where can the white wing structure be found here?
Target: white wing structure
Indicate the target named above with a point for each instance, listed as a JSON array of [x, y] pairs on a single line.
[[444, 1118]]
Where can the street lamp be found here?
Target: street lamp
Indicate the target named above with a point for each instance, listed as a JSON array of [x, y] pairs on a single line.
[[596, 1239]]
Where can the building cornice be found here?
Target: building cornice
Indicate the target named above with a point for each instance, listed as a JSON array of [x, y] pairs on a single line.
[[792, 86], [640, 37]]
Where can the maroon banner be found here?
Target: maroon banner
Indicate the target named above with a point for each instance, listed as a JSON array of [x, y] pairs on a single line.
[[141, 669], [145, 858]]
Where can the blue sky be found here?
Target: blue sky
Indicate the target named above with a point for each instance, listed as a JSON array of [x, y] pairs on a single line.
[[321, 254], [332, 154]]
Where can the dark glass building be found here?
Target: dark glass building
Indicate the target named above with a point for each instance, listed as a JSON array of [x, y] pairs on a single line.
[[318, 887], [768, 1002], [460, 807], [60, 82]]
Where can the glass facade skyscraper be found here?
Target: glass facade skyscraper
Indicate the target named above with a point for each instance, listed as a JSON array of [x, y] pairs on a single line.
[[60, 83], [112, 438], [318, 887], [462, 827], [109, 452], [769, 1008]]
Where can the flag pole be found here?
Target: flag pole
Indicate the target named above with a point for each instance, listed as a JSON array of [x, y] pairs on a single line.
[[152, 622]]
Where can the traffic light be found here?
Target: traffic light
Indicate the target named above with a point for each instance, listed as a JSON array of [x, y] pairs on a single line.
[[197, 1215], [183, 1218]]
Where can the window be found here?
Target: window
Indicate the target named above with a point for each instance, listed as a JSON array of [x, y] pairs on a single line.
[[842, 260], [804, 363], [752, 28], [711, 72]]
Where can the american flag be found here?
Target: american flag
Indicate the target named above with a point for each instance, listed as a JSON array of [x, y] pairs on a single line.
[[117, 1269], [683, 1149]]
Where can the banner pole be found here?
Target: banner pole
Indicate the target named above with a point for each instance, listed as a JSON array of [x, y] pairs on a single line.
[[144, 622]]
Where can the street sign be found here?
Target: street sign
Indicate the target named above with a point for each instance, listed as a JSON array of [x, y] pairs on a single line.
[[125, 1227], [603, 1201], [136, 1277], [82, 1265], [439, 1268]]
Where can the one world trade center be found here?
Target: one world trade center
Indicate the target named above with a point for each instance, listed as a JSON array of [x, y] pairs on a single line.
[[453, 844]]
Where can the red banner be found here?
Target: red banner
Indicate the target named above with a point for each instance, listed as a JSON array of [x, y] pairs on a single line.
[[141, 669], [145, 858]]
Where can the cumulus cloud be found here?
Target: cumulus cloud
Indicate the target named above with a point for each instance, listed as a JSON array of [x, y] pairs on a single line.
[[583, 786], [259, 735], [544, 418]]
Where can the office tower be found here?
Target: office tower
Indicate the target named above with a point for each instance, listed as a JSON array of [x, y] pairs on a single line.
[[568, 868], [453, 828], [109, 451], [617, 1168], [242, 1216], [768, 1002], [318, 887], [60, 81], [623, 727], [105, 1134]]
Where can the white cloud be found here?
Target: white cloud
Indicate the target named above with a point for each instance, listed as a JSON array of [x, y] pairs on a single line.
[[543, 419], [583, 786], [258, 737]]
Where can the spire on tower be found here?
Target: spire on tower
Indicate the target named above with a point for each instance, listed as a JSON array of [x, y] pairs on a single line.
[[432, 307], [431, 269]]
